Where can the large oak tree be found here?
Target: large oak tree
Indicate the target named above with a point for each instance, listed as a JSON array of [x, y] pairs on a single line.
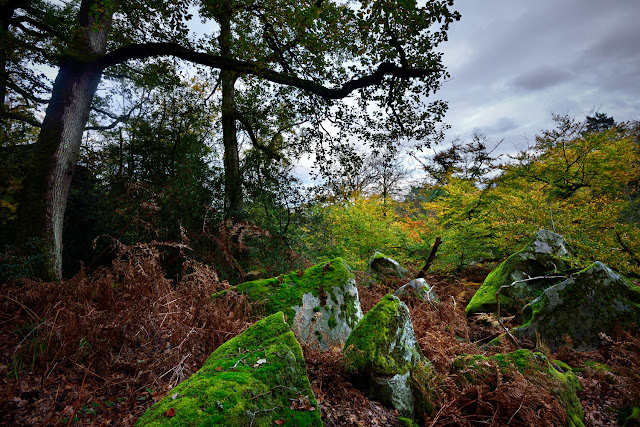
[[379, 54]]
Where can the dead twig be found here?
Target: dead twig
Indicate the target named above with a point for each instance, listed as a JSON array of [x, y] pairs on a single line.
[[253, 414], [432, 256]]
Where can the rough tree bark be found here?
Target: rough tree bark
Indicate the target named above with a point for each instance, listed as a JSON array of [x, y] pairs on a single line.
[[232, 175], [44, 199]]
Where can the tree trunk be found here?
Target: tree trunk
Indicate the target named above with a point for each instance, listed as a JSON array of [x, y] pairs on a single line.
[[232, 176], [41, 211]]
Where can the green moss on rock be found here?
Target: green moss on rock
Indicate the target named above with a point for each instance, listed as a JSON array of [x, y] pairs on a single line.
[[566, 385], [546, 254], [595, 300], [383, 266], [251, 379], [321, 304], [386, 361], [285, 291], [371, 346]]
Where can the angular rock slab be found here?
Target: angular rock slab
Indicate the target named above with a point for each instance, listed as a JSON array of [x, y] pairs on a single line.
[[593, 301], [382, 266], [382, 354], [321, 304], [564, 383], [418, 288], [251, 379], [545, 255]]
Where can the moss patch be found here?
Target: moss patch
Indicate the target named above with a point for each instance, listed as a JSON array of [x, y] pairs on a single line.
[[371, 346], [544, 255], [629, 416], [386, 361], [594, 300], [285, 291], [475, 367], [382, 265], [251, 379], [406, 422], [219, 294]]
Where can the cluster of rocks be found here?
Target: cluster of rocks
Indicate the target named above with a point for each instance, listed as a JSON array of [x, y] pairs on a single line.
[[254, 378], [263, 367], [558, 305]]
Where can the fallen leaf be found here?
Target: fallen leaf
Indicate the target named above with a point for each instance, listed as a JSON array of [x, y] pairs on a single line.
[[302, 404], [170, 412], [279, 422]]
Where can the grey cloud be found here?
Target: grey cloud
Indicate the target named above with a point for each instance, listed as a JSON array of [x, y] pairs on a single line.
[[541, 78], [514, 62], [504, 124], [617, 43]]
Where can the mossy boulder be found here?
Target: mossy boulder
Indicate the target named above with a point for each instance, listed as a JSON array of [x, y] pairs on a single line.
[[418, 288], [595, 300], [384, 358], [629, 416], [545, 255], [564, 383], [321, 304], [381, 265], [256, 378]]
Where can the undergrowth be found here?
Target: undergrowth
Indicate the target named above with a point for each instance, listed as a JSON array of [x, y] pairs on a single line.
[[102, 347], [112, 341]]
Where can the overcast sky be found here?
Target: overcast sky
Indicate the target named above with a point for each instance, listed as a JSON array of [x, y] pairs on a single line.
[[514, 62]]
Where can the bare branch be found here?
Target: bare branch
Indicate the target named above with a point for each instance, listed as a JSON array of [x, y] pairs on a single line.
[[376, 77], [21, 118], [117, 119], [254, 140]]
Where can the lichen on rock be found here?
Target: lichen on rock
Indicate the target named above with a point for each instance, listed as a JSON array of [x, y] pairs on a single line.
[[252, 379], [321, 304], [418, 288], [546, 255], [384, 358], [593, 301]]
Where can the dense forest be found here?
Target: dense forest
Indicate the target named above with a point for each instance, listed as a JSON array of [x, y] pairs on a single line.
[[145, 167]]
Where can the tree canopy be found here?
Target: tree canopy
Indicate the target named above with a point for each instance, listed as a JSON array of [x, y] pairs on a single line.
[[381, 55]]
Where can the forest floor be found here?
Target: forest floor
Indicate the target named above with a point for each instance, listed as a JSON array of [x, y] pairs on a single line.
[[100, 349]]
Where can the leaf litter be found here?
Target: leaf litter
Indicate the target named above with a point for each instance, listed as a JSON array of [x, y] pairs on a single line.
[[101, 348]]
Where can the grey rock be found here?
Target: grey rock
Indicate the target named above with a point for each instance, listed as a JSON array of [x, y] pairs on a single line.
[[594, 301], [544, 257], [383, 355], [418, 288], [331, 324], [382, 266], [321, 303]]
